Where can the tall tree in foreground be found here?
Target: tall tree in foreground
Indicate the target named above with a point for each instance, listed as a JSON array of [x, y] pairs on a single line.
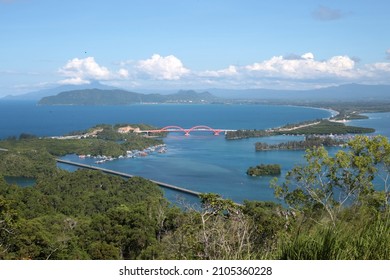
[[341, 202], [347, 178]]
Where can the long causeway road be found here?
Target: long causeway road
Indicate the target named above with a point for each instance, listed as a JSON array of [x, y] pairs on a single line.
[[126, 175]]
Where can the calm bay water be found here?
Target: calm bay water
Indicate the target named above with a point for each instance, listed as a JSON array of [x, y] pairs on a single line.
[[201, 161]]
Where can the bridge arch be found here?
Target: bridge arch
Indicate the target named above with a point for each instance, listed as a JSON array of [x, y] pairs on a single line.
[[173, 127], [204, 127], [186, 131]]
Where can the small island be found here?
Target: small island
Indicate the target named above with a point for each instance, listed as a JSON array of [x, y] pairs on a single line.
[[264, 170]]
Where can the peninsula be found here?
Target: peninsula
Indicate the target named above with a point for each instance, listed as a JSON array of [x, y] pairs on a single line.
[[315, 127], [104, 141]]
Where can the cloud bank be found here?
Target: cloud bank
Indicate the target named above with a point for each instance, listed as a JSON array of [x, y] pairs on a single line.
[[290, 71]]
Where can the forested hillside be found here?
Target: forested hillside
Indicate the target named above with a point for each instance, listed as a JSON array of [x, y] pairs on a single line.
[[123, 97]]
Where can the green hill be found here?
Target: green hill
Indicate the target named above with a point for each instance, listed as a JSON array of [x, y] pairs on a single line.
[[123, 97]]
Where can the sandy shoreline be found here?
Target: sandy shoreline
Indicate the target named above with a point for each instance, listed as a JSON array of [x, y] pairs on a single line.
[[330, 110]]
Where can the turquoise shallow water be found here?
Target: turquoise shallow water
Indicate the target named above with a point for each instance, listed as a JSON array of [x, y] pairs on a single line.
[[208, 163]]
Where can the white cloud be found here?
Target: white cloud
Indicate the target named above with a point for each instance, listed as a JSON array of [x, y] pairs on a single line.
[[123, 73], [162, 68], [228, 72], [308, 56], [74, 81], [305, 67], [383, 67], [81, 71], [291, 71]]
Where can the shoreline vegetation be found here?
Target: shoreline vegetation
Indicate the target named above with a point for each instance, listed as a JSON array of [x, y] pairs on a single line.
[[317, 127], [308, 143], [341, 113], [334, 125], [102, 141], [264, 170]]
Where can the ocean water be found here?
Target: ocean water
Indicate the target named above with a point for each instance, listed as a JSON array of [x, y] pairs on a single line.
[[18, 117], [379, 121], [201, 162]]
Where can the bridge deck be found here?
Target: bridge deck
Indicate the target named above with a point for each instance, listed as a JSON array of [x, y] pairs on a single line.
[[175, 128], [126, 175]]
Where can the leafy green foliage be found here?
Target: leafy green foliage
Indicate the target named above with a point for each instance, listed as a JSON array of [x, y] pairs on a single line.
[[8, 218], [309, 142], [321, 127], [328, 127], [332, 182], [340, 204], [27, 163], [122, 97], [264, 170], [242, 134], [84, 214], [107, 141]]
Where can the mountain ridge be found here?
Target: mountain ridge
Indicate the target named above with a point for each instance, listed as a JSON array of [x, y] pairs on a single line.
[[345, 92], [37, 95], [351, 92], [123, 97]]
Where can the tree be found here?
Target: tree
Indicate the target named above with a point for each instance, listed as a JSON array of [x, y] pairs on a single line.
[[330, 183], [8, 218], [219, 230], [225, 231]]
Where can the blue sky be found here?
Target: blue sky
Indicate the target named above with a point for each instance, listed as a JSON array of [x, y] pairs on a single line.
[[176, 44]]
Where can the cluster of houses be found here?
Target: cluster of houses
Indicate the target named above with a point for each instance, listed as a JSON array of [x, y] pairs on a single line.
[[129, 154]]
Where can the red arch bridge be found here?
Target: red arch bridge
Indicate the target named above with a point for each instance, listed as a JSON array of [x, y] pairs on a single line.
[[187, 131]]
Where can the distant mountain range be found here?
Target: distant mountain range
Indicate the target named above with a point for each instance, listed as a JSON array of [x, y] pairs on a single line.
[[122, 97], [96, 93], [37, 95], [347, 92]]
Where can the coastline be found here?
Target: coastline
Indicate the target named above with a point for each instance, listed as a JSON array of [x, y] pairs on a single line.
[[332, 112]]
